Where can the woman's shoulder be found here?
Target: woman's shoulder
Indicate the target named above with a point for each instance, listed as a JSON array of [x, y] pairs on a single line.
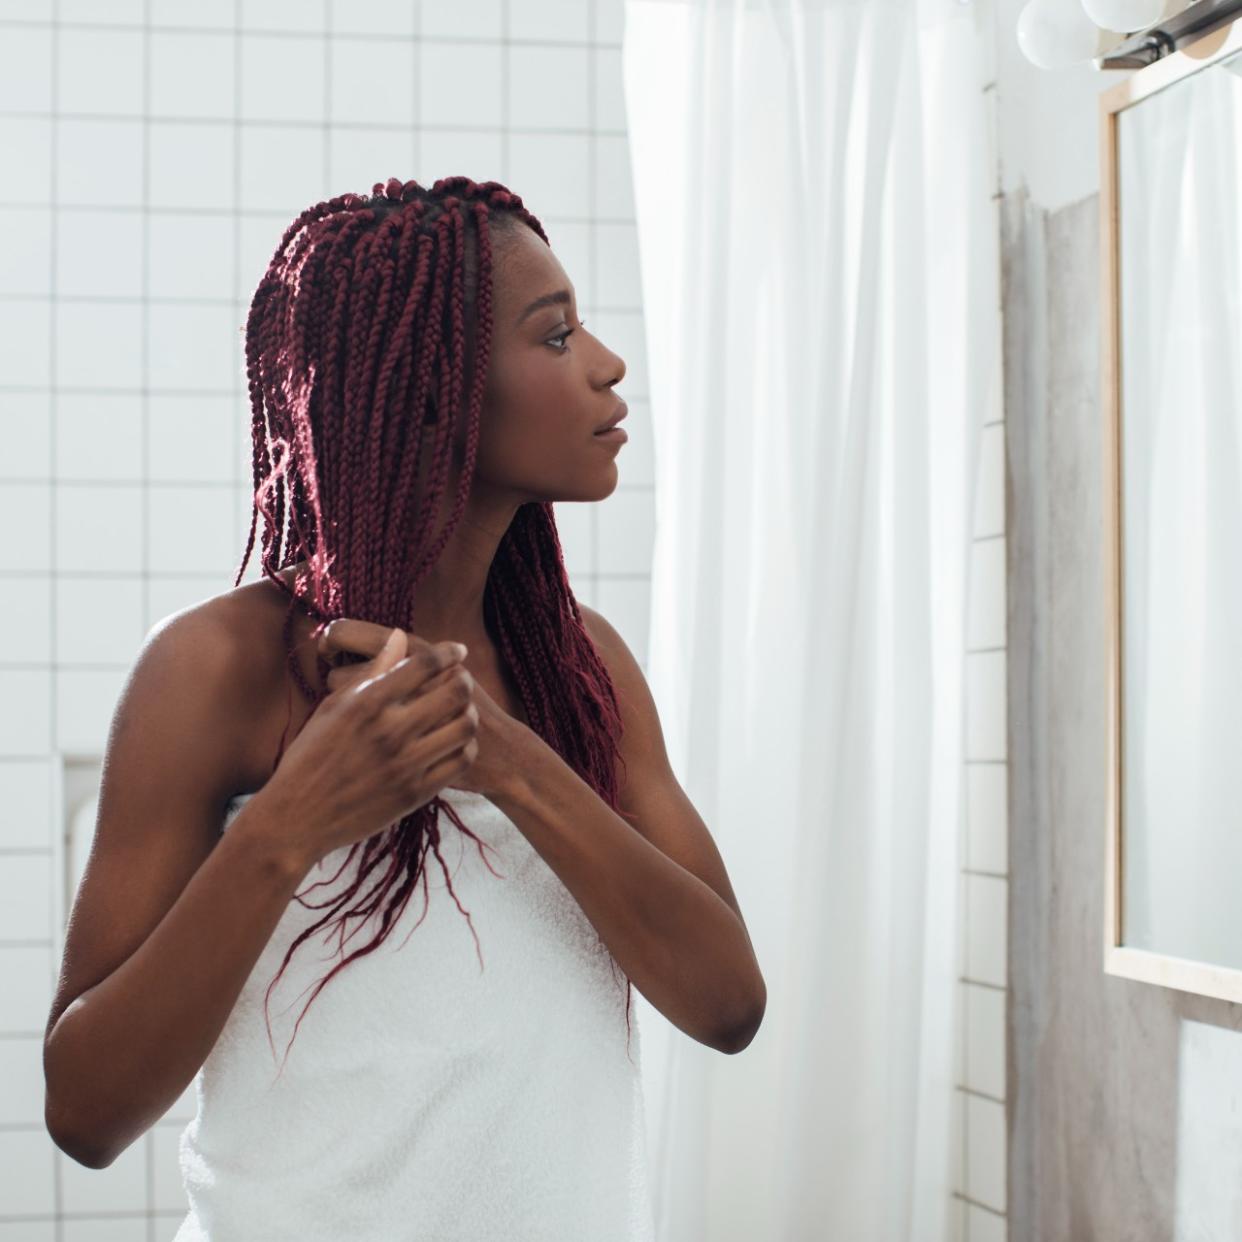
[[241, 629]]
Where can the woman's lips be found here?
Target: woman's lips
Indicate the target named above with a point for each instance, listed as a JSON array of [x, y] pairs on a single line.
[[618, 414]]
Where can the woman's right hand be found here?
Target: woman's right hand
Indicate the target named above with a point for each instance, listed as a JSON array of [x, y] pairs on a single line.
[[375, 750]]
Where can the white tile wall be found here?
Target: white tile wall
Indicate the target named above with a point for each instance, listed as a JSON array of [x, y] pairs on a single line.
[[980, 1164], [981, 1160], [152, 160]]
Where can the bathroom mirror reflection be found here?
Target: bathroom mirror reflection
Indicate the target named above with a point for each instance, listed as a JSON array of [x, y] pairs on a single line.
[[1173, 384]]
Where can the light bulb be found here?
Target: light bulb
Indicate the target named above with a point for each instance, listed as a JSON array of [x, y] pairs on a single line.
[[1056, 33], [1124, 15]]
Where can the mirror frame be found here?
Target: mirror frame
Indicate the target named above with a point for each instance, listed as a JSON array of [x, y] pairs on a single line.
[[1120, 959]]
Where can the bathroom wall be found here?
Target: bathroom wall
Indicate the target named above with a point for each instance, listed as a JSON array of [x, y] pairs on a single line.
[[1124, 1102], [150, 168], [979, 1190]]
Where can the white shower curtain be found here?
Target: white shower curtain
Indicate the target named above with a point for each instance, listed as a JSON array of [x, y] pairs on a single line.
[[813, 190]]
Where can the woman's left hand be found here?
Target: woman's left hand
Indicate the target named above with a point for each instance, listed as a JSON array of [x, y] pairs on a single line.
[[499, 736]]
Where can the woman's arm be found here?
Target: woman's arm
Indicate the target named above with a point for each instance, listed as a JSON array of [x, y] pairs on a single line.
[[169, 918]]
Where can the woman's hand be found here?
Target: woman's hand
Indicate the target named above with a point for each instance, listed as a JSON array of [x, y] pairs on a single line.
[[498, 735]]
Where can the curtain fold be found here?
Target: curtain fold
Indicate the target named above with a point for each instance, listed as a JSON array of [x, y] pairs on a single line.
[[813, 192]]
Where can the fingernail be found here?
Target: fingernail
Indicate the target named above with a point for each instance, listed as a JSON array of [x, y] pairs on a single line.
[[460, 649]]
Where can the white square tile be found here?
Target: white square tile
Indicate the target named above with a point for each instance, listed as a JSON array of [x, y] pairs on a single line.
[[26, 507], [26, 1158], [957, 1142], [609, 86], [41, 1230], [26, 430], [26, 69], [103, 1228], [614, 184], [26, 269], [99, 436], [609, 21], [99, 71], [575, 527], [990, 485], [282, 169], [986, 622], [985, 1226], [192, 528], [361, 155], [25, 342], [26, 621], [626, 532], [571, 242], [26, 897], [617, 263], [386, 17], [98, 345], [178, 13], [99, 620], [549, 20], [373, 81], [26, 170], [191, 75], [456, 152], [121, 1187], [194, 438], [986, 698], [195, 347], [85, 703], [987, 814], [552, 174], [549, 88], [99, 528], [985, 1151], [957, 1221], [448, 19], [282, 77], [987, 929], [169, 1194], [99, 254], [29, 986], [962, 931], [622, 332], [985, 1040], [26, 804], [119, 12], [282, 15], [99, 163], [21, 1071], [26, 722], [190, 256], [442, 67], [626, 604], [192, 164]]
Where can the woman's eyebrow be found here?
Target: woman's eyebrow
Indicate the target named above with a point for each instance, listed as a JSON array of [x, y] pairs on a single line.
[[547, 299]]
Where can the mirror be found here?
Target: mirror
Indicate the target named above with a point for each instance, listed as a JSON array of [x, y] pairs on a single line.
[[1172, 145]]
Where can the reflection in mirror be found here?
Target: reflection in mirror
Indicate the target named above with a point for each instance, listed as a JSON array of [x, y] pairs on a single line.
[[1179, 187]]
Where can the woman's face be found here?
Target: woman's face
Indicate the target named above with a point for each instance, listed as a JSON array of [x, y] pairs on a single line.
[[549, 383]]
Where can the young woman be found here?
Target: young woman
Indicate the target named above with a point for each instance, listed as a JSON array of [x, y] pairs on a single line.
[[410, 698]]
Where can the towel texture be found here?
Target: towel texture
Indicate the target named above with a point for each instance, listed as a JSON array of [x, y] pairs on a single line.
[[428, 1097]]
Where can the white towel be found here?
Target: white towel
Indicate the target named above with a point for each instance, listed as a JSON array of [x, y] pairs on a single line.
[[428, 1098]]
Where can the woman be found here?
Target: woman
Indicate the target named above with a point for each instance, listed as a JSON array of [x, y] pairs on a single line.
[[417, 407]]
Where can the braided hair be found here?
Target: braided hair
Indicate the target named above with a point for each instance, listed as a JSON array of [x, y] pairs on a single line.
[[367, 345]]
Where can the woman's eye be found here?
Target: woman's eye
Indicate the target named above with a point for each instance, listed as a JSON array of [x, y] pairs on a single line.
[[561, 336]]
